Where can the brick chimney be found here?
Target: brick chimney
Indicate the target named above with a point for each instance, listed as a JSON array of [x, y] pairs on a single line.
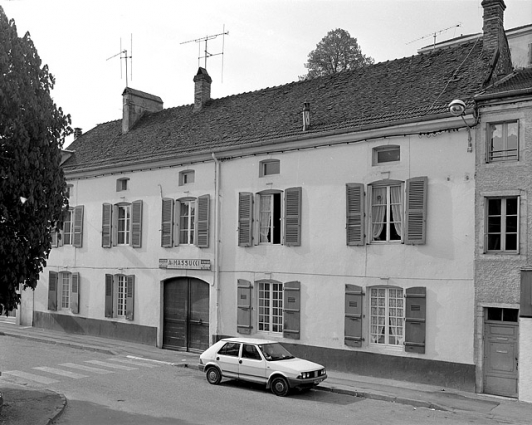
[[202, 89], [77, 132], [494, 42], [136, 103]]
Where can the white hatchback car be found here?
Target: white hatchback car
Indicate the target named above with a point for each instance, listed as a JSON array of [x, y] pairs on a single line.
[[261, 361]]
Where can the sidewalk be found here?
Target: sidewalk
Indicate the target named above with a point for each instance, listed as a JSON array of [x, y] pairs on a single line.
[[46, 404]]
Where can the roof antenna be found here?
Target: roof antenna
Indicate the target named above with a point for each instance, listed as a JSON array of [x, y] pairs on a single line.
[[434, 34], [123, 55], [206, 53]]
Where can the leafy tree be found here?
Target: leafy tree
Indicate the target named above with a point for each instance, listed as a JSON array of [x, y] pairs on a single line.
[[32, 185], [336, 52]]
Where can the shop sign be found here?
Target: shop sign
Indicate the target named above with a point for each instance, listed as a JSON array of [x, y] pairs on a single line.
[[165, 263]]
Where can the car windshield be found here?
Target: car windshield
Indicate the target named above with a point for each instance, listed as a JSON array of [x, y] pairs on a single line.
[[274, 351]]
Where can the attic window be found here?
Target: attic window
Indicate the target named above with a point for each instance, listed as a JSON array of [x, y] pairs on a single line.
[[385, 154], [69, 190], [269, 167], [122, 184], [186, 177]]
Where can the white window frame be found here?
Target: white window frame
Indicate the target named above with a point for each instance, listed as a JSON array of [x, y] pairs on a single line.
[[122, 184], [269, 220], [123, 225], [380, 332], [120, 290], [388, 148], [265, 167], [503, 224], [68, 227], [270, 307], [505, 155], [187, 222], [388, 212], [186, 177], [65, 280]]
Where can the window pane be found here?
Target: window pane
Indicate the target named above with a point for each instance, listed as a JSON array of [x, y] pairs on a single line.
[[388, 155], [510, 315], [271, 167], [511, 243], [511, 206], [494, 242], [512, 145], [497, 145], [494, 313], [494, 206]]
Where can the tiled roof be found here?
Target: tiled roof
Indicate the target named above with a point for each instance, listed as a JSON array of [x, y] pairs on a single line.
[[518, 81], [387, 93]]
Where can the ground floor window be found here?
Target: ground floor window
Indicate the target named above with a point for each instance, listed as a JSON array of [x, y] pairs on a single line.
[[65, 289], [119, 296], [270, 307], [387, 316]]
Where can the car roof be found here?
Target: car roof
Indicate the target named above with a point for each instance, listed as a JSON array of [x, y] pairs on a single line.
[[250, 340]]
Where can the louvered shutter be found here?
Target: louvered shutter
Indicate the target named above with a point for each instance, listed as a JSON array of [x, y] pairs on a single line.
[[74, 293], [355, 214], [353, 316], [202, 227], [177, 223], [415, 319], [292, 216], [130, 297], [292, 310], [136, 224], [416, 211], [52, 290], [243, 320], [245, 219], [78, 226], [167, 234], [109, 295], [106, 225]]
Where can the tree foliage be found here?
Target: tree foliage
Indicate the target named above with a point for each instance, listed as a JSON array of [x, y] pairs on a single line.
[[32, 185], [336, 52]]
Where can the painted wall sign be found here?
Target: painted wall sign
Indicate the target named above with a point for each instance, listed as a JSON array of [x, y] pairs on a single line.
[[165, 263]]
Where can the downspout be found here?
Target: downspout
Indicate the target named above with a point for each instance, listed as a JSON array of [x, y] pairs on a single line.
[[216, 277]]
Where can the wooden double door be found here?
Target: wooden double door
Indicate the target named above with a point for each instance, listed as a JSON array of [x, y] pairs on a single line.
[[186, 314]]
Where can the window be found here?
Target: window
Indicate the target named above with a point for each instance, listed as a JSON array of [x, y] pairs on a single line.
[[69, 189], [186, 177], [122, 224], [230, 349], [269, 167], [502, 314], [387, 316], [397, 211], [250, 352], [502, 224], [119, 296], [63, 291], [122, 184], [185, 221], [72, 232], [270, 307], [503, 142], [385, 154], [277, 218]]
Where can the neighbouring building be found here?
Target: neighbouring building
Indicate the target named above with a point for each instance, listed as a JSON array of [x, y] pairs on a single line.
[[336, 215]]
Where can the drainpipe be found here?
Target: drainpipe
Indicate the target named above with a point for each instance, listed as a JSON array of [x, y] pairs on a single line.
[[216, 283]]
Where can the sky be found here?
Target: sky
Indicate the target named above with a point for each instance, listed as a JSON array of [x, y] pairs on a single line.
[[266, 45]]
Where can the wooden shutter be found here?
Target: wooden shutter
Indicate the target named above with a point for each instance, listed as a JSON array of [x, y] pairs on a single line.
[[526, 294], [109, 295], [52, 290], [416, 211], [245, 219], [292, 310], [78, 227], [106, 225], [136, 224], [74, 293], [415, 327], [243, 320], [177, 222], [130, 297], [355, 214], [292, 216], [202, 225], [167, 239], [353, 316]]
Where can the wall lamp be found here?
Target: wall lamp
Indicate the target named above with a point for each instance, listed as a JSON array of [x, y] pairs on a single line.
[[457, 108]]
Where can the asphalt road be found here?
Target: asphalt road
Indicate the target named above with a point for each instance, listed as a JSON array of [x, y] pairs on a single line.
[[103, 389]]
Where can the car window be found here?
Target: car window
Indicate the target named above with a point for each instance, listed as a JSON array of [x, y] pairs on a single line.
[[230, 349], [250, 352], [275, 351]]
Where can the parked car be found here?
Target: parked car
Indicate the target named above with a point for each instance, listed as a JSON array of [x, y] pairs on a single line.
[[260, 361]]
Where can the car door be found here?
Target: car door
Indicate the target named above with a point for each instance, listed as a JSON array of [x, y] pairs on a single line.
[[228, 358], [252, 366]]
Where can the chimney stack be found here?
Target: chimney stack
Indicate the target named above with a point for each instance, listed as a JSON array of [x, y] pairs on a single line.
[[136, 103], [77, 132], [202, 89], [493, 26]]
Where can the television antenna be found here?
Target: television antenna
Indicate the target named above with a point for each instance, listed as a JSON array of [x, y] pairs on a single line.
[[206, 53], [123, 55], [435, 34]]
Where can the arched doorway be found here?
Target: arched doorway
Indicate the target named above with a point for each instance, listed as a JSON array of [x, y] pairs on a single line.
[[186, 314]]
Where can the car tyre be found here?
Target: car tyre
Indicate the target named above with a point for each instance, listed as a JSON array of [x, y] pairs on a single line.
[[280, 386], [214, 376]]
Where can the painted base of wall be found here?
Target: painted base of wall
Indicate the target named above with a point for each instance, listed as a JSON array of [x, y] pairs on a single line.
[[525, 359], [102, 328], [445, 374]]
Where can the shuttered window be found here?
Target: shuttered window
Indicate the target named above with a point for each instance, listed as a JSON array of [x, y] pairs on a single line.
[[292, 217], [245, 219], [355, 234], [353, 316], [122, 224], [415, 320], [244, 325], [52, 290], [292, 310], [185, 221], [386, 316], [270, 302], [72, 231], [416, 211], [167, 220], [63, 291], [119, 296]]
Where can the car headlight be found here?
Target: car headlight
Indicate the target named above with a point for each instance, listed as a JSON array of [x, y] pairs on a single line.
[[322, 372], [304, 375]]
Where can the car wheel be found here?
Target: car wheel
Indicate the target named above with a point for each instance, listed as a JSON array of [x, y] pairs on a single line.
[[280, 386], [213, 375]]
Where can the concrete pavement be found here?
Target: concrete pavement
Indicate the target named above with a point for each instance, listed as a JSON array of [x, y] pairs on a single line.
[[25, 406]]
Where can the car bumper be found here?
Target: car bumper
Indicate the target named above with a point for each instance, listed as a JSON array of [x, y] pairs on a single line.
[[306, 383], [201, 367]]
